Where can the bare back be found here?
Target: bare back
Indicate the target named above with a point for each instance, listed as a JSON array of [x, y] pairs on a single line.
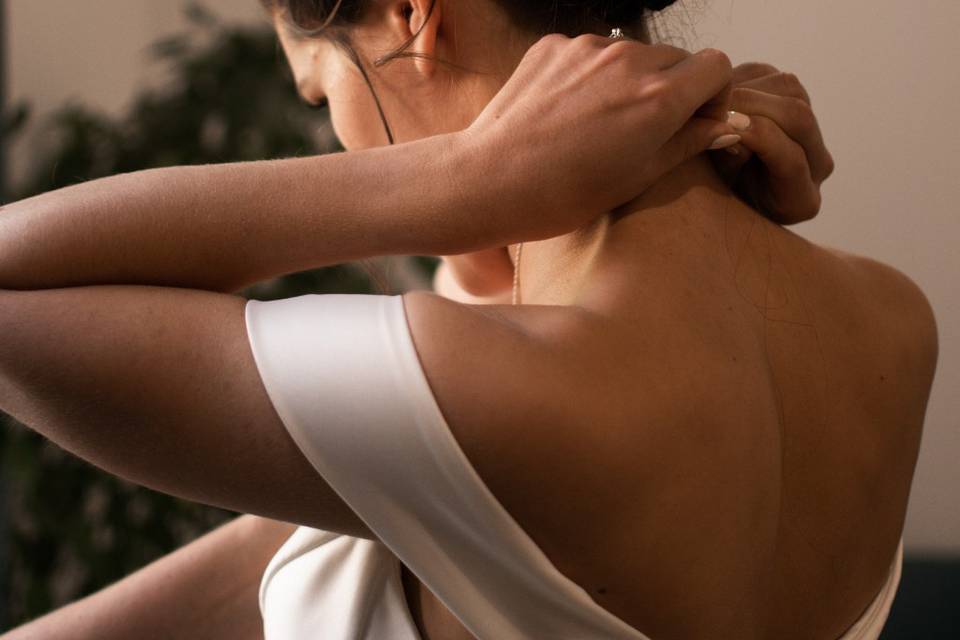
[[718, 441]]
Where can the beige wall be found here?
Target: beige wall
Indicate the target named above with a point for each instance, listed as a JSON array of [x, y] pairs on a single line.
[[883, 78], [91, 50]]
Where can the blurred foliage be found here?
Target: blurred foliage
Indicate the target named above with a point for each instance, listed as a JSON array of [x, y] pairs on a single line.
[[74, 529]]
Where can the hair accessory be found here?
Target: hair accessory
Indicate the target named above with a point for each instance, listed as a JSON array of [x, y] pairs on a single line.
[[617, 34]]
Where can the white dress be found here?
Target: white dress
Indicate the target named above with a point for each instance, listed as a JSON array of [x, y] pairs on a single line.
[[343, 375]]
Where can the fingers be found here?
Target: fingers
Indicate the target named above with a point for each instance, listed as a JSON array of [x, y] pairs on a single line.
[[789, 186], [729, 163], [766, 77], [699, 82], [782, 84], [690, 82], [692, 139], [791, 159], [717, 107], [665, 56], [778, 151], [795, 118], [752, 70], [655, 56]]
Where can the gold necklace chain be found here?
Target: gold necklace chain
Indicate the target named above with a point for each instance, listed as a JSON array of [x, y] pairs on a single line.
[[516, 275], [614, 34]]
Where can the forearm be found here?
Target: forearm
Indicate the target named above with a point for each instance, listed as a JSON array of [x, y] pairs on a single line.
[[206, 589], [223, 227]]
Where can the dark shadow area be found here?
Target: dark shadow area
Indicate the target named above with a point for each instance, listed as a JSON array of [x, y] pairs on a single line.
[[927, 605]]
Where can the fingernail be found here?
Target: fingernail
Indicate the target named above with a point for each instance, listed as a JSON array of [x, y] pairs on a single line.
[[733, 150], [737, 120], [725, 141]]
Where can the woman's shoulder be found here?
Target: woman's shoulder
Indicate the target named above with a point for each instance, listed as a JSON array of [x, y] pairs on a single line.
[[518, 388], [497, 350], [895, 298]]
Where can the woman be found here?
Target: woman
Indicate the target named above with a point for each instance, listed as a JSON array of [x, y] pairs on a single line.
[[693, 423]]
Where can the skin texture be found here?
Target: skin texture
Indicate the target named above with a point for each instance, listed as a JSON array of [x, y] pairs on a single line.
[[783, 180], [220, 227], [565, 273], [151, 293], [779, 167], [696, 387], [743, 403]]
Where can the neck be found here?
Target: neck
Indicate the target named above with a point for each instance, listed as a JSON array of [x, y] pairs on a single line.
[[603, 260]]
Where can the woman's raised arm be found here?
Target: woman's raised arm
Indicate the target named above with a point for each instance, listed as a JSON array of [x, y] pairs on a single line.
[[583, 125], [221, 227]]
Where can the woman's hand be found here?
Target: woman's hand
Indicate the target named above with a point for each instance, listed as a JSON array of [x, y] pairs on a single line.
[[554, 142], [781, 160], [780, 164], [539, 161], [585, 124]]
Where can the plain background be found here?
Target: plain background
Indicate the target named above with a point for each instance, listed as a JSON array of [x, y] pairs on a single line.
[[883, 78]]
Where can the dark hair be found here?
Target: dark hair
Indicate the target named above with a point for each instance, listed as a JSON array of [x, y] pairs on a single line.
[[330, 18], [536, 16]]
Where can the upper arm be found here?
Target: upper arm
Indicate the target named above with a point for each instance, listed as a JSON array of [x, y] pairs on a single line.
[[905, 303], [159, 386], [902, 314]]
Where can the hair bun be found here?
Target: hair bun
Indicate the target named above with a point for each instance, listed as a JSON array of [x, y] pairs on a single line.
[[625, 11], [657, 5]]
